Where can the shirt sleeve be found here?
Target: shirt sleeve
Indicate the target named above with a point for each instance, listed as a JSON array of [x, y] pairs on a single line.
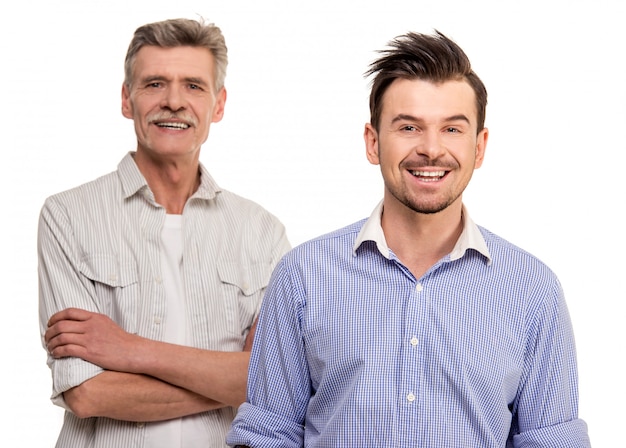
[[61, 285], [547, 405], [280, 246], [279, 385]]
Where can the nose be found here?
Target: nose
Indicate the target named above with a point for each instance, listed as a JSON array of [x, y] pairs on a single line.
[[173, 99], [430, 145]]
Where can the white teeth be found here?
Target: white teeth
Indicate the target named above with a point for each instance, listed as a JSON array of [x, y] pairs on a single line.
[[173, 125], [428, 173]]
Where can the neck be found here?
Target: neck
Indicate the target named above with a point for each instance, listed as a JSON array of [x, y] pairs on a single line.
[[420, 240], [172, 181]]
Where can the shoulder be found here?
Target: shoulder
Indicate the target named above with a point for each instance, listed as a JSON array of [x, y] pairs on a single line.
[[328, 246], [233, 201], [85, 194], [519, 269], [503, 250], [243, 211]]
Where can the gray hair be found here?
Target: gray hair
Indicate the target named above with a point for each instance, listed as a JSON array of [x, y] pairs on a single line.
[[177, 33]]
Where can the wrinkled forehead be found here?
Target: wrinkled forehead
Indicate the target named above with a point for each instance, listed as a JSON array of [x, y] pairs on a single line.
[[174, 62]]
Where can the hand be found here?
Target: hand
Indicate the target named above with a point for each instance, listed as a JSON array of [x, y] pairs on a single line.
[[93, 337]]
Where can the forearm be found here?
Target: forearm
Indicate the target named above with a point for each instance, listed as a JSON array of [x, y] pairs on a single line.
[[220, 376], [93, 337], [131, 397]]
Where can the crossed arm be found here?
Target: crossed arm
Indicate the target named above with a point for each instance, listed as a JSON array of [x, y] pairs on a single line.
[[144, 380]]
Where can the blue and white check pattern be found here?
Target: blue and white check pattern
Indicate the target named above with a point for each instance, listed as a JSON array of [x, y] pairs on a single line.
[[352, 350]]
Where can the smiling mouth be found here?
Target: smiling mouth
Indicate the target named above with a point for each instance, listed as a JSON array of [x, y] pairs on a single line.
[[176, 125], [428, 176]]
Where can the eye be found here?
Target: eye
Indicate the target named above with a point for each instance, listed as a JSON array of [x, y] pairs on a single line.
[[194, 87], [452, 130], [154, 85], [408, 128]]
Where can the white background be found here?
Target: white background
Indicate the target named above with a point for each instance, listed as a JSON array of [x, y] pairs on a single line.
[[291, 139]]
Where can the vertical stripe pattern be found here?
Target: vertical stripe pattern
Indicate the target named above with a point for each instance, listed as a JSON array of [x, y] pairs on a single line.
[[99, 249]]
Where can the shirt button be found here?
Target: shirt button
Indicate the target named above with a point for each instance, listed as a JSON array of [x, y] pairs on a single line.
[[419, 287], [410, 398], [157, 320], [158, 280], [140, 424], [414, 341]]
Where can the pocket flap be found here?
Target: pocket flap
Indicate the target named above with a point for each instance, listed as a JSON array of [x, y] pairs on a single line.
[[249, 278], [108, 270]]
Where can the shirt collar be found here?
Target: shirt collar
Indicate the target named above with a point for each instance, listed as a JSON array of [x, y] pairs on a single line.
[[470, 238], [133, 181]]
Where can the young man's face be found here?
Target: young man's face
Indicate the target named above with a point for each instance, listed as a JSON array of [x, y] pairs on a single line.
[[426, 145], [172, 100]]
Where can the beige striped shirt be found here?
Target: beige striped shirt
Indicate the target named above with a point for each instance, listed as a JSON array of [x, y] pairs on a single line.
[[99, 249]]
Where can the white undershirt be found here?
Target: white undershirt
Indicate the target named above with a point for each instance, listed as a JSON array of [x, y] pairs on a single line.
[[187, 432], [175, 330]]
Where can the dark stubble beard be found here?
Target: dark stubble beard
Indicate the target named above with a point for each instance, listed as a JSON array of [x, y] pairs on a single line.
[[403, 195], [426, 209]]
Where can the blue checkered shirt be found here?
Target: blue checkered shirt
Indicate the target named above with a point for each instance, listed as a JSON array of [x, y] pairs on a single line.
[[352, 350]]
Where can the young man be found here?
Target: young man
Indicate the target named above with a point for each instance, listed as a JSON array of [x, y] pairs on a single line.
[[151, 277], [414, 327]]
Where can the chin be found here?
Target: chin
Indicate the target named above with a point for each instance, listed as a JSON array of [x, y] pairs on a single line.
[[427, 208]]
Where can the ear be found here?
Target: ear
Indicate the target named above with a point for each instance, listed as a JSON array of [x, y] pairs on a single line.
[[371, 144], [481, 146], [220, 103], [127, 105]]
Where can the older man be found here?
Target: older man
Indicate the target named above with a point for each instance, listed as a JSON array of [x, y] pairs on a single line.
[[151, 277]]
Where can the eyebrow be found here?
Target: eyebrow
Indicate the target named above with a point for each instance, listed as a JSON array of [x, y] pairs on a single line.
[[192, 79], [199, 81], [406, 117], [152, 78]]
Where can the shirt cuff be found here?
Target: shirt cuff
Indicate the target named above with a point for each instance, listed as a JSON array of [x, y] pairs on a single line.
[[572, 434], [254, 426]]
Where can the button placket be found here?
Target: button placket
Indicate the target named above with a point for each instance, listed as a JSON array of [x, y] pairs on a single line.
[[414, 320]]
